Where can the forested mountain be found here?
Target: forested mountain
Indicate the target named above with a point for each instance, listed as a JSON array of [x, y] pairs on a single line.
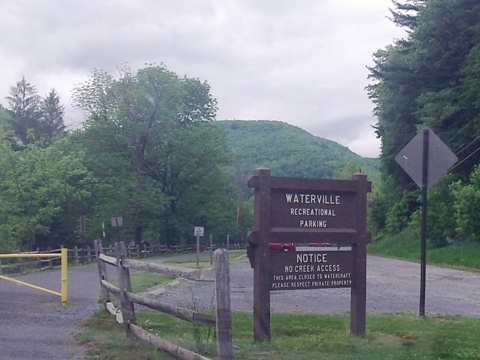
[[290, 151], [430, 78]]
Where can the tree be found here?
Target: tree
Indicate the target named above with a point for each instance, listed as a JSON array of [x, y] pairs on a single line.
[[427, 79], [23, 103], [152, 128], [467, 207], [52, 112], [39, 192], [5, 116], [405, 14], [34, 119]]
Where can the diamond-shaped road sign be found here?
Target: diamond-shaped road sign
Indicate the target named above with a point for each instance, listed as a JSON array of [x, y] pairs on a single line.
[[440, 158]]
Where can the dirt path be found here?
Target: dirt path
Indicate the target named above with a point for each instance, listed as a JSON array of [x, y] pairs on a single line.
[[34, 325]]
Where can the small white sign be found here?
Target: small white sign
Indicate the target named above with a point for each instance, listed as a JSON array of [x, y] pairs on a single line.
[[198, 231], [117, 221]]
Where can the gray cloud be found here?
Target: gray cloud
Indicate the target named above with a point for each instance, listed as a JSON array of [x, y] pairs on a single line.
[[303, 63]]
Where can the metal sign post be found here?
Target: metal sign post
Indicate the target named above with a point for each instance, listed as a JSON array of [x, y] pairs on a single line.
[[435, 161], [423, 246], [198, 231]]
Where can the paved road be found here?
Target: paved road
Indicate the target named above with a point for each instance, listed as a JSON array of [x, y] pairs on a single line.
[[34, 325]]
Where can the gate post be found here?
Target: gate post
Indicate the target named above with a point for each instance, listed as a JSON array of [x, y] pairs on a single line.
[[64, 275]]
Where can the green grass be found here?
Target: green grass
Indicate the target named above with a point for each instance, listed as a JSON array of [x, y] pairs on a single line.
[[146, 280], [406, 245], [461, 257], [204, 258], [298, 336]]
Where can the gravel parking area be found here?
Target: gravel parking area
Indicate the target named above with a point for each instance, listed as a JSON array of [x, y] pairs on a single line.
[[34, 325], [392, 286]]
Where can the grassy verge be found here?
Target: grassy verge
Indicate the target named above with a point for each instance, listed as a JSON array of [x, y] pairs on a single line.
[[298, 336], [204, 258], [406, 245], [146, 280]]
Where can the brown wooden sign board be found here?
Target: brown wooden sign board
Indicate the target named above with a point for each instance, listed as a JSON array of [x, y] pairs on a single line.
[[300, 211]]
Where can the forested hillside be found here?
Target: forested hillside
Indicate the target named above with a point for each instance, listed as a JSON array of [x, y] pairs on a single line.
[[155, 159], [430, 78], [290, 151]]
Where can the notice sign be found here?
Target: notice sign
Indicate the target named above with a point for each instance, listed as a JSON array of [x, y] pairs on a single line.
[[295, 270]]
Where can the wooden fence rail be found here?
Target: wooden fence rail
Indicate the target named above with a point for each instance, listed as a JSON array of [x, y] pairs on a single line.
[[127, 298], [85, 255]]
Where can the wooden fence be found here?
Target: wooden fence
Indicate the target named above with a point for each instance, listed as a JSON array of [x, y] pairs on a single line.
[[85, 255], [127, 299]]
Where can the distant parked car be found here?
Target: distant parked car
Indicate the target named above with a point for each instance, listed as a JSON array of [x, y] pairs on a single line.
[[319, 244], [282, 246]]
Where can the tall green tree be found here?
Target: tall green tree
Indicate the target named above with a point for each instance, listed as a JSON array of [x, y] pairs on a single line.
[[52, 113], [150, 142], [23, 103], [427, 79], [39, 190]]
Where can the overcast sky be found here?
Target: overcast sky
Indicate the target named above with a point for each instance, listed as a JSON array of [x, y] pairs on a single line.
[[302, 62]]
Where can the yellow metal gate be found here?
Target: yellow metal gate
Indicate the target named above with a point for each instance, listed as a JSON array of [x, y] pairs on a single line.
[[63, 272]]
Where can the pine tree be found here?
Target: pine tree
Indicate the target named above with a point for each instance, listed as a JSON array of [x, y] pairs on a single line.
[[23, 103], [51, 120], [34, 119]]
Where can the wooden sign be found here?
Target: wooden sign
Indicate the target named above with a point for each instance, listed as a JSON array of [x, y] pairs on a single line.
[[302, 211]]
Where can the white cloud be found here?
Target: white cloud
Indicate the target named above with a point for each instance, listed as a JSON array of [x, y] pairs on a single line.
[[303, 62]]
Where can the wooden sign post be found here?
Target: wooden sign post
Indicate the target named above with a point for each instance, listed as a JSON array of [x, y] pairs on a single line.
[[303, 211]]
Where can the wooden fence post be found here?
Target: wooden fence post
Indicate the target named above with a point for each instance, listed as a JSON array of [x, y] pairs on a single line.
[[20, 263], [39, 260], [224, 313], [125, 285], [75, 254], [211, 249], [102, 270], [89, 254]]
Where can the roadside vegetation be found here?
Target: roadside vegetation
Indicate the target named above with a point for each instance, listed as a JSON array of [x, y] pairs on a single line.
[[423, 81], [296, 336], [406, 246]]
